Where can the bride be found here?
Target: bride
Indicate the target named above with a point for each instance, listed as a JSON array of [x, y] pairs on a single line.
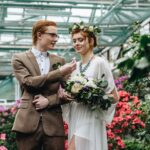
[[87, 129]]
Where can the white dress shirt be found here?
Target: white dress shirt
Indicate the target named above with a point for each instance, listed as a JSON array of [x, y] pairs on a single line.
[[42, 59]]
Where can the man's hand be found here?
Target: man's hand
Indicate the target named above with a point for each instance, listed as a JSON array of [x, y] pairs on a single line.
[[68, 68], [40, 102]]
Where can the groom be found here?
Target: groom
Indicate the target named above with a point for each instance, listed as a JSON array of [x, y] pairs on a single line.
[[38, 123]]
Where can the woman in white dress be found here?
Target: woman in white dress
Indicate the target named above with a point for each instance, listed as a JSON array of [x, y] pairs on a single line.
[[87, 129]]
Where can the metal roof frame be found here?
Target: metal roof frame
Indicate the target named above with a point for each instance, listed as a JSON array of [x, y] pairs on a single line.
[[114, 17]]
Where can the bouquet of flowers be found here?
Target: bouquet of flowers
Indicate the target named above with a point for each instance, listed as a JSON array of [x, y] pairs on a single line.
[[89, 92]]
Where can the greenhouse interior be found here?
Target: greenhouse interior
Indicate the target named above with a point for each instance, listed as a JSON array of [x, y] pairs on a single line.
[[124, 41]]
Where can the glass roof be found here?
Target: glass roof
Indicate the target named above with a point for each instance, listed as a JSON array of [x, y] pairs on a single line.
[[115, 18]]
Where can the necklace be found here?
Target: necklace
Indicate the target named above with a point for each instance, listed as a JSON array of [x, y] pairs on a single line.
[[83, 69]]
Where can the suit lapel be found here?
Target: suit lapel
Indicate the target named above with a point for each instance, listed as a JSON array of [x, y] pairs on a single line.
[[33, 62], [35, 65]]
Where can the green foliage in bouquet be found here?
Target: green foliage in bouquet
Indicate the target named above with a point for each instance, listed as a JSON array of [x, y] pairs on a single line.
[[89, 92]]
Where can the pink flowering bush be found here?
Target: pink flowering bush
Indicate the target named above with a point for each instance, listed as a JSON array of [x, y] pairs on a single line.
[[7, 138], [127, 121], [129, 130]]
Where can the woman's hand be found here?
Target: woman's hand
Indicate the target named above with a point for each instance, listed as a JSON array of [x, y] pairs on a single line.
[[62, 94], [114, 95]]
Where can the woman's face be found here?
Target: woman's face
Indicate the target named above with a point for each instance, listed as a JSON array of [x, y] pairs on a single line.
[[80, 43]]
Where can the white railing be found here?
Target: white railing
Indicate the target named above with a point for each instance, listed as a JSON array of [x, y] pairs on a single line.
[[6, 103]]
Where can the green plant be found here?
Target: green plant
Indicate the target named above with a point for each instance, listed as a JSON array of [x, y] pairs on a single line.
[[139, 87], [135, 59]]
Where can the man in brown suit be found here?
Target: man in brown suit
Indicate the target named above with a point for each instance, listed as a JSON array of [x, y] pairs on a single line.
[[38, 123]]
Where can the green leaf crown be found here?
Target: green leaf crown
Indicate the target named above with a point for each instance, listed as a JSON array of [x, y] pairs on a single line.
[[90, 29]]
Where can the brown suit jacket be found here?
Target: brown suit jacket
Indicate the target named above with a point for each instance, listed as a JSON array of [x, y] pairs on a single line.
[[27, 71]]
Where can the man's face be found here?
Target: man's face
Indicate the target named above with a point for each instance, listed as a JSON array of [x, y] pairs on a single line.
[[48, 39]]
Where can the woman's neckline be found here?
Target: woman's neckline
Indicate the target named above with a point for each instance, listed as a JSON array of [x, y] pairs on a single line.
[[90, 58], [84, 67]]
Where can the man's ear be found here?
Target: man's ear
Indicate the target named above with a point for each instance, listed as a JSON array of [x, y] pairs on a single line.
[[38, 35]]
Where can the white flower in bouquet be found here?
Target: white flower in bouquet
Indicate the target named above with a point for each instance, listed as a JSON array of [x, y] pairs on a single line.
[[79, 79], [76, 87], [91, 83]]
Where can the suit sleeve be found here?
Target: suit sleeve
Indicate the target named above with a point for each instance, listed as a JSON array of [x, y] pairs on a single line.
[[54, 100], [25, 78]]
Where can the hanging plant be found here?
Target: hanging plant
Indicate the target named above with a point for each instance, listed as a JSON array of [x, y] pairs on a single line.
[[136, 58]]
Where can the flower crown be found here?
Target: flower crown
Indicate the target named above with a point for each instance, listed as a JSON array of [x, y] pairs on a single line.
[[91, 29]]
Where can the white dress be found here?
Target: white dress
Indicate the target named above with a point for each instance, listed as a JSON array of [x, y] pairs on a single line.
[[89, 127]]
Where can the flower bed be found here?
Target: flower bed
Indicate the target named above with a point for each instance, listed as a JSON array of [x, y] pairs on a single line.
[[130, 128], [7, 138]]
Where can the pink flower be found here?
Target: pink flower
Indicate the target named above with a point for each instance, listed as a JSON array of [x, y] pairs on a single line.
[[128, 118], [133, 127], [117, 131], [119, 86], [110, 134], [123, 94], [5, 114], [121, 144], [66, 144], [126, 99], [2, 108], [142, 124], [125, 124], [3, 148], [3, 136], [13, 110], [136, 120]]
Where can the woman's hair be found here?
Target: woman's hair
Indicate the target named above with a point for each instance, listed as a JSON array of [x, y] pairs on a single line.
[[40, 26], [86, 34], [87, 31]]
